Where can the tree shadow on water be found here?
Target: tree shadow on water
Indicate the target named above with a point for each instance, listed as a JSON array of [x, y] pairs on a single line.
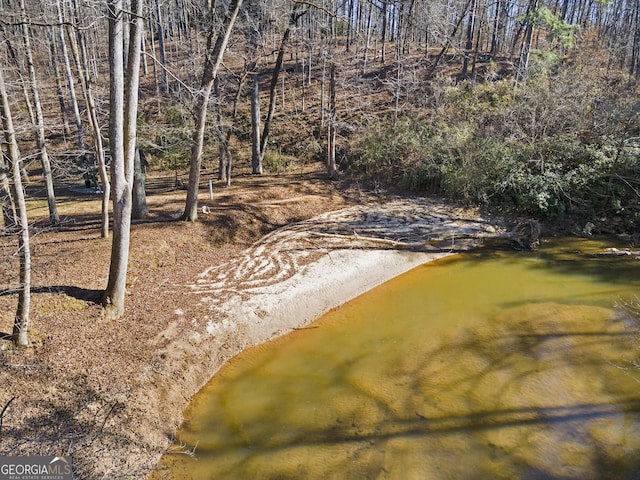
[[569, 256], [507, 401]]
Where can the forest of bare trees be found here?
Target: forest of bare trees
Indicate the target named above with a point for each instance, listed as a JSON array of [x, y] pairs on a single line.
[[523, 104]]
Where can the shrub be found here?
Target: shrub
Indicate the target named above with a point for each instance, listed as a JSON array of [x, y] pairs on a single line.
[[555, 145]]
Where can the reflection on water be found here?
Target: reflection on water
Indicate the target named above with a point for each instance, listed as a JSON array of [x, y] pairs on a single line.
[[490, 365]]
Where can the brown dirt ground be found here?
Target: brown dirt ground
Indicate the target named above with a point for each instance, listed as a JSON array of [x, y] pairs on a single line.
[[75, 390]]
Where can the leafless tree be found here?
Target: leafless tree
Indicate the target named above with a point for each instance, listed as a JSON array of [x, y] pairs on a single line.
[[21, 323], [213, 59], [70, 78], [79, 56], [122, 134], [39, 118], [296, 12]]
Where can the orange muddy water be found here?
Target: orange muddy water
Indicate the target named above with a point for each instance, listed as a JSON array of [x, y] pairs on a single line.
[[488, 365]]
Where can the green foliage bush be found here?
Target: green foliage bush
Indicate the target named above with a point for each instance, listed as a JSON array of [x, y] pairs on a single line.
[[559, 143]]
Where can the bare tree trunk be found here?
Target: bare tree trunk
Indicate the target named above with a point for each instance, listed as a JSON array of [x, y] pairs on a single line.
[[256, 155], [323, 82], [450, 38], [21, 321], [39, 124], [331, 141], [153, 51], [67, 67], [224, 154], [383, 35], [56, 72], [471, 23], [293, 19], [85, 82], [635, 49], [302, 84], [367, 40], [140, 210], [252, 34], [122, 133], [525, 50], [212, 64], [23, 84], [494, 34], [163, 55], [25, 94], [145, 65]]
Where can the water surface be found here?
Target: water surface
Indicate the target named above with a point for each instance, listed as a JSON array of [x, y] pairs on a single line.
[[494, 364]]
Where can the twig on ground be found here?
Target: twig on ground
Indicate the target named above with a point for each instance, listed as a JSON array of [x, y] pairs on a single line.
[[113, 406], [4, 410]]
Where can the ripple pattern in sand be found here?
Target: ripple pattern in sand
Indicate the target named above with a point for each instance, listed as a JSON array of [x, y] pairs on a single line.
[[416, 224]]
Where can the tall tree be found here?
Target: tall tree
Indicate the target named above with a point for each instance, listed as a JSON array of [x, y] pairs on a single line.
[[224, 153], [39, 124], [331, 139], [79, 55], [21, 322], [163, 54], [252, 34], [56, 74], [293, 20], [122, 134], [213, 59], [469, 43], [69, 73]]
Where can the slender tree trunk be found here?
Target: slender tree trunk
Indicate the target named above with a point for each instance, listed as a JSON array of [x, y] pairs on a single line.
[[256, 154], [163, 56], [145, 64], [56, 73], [25, 94], [469, 43], [479, 38], [18, 68], [293, 19], [212, 64], [494, 33], [21, 322], [39, 125], [331, 141], [349, 25], [385, 8], [122, 133], [323, 101], [302, 85], [367, 40], [152, 36], [253, 33], [224, 155], [450, 38], [635, 49], [79, 55], [525, 50], [69, 73]]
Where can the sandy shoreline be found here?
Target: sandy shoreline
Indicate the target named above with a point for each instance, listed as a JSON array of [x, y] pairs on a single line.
[[285, 281]]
